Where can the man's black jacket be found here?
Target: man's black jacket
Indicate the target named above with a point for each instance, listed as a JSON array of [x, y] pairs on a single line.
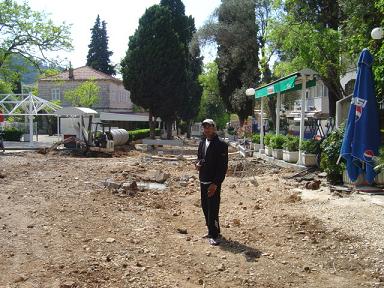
[[214, 163]]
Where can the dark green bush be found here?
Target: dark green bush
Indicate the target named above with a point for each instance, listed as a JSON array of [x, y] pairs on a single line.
[[330, 151], [277, 141], [311, 146], [12, 134], [231, 130], [256, 138], [379, 161], [292, 143], [141, 134], [267, 139]]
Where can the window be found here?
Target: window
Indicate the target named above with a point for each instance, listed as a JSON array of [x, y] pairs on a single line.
[[55, 94]]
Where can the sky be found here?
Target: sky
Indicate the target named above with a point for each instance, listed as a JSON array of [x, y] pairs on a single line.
[[122, 18]]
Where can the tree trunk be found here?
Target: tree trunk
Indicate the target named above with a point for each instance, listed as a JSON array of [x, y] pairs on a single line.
[[241, 121], [168, 124], [151, 125], [89, 130], [189, 129]]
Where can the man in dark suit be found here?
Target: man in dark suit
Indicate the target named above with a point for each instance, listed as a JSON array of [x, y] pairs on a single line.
[[212, 164]]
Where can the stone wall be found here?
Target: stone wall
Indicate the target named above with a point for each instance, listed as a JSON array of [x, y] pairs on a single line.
[[113, 96]]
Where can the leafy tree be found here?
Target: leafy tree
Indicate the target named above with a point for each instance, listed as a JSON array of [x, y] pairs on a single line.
[[85, 95], [308, 36], [29, 34], [154, 68], [328, 36], [357, 21], [235, 33], [237, 55], [265, 9], [212, 105], [98, 53], [5, 87]]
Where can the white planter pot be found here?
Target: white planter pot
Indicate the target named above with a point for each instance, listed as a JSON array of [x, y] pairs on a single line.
[[347, 180], [277, 153], [290, 156], [256, 147], [309, 159], [268, 151], [379, 179]]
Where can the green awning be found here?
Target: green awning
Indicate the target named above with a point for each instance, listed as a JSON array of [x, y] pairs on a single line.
[[286, 84], [278, 86]]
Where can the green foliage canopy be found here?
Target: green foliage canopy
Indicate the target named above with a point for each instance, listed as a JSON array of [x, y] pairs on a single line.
[[154, 68], [29, 33], [212, 105], [85, 95]]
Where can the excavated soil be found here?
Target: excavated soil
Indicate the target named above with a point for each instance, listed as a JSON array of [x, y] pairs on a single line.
[[61, 227]]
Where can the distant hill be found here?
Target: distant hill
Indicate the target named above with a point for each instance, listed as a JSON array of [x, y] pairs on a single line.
[[29, 73]]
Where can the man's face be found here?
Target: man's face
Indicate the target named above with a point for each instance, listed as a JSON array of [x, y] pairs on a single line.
[[208, 130]]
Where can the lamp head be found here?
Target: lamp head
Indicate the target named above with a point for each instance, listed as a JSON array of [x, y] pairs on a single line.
[[377, 33], [250, 92]]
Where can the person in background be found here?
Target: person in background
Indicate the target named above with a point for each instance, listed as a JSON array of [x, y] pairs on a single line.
[[1, 141], [212, 164]]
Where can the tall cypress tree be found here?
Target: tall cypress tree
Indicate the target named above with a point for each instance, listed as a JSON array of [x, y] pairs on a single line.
[[185, 28], [98, 53], [154, 66]]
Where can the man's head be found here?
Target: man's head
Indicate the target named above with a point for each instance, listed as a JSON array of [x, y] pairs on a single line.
[[209, 128]]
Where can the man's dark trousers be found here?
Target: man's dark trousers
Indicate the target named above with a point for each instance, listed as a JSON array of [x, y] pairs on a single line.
[[211, 206]]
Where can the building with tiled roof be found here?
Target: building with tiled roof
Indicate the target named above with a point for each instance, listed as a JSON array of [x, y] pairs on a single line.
[[113, 96]]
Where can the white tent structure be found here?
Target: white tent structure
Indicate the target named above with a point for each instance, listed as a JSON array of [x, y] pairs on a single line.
[[76, 125], [26, 105]]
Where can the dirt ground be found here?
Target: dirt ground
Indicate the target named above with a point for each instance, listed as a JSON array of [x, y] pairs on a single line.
[[61, 227]]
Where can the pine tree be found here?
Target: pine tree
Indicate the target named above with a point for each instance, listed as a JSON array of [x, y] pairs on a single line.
[[154, 68], [98, 53]]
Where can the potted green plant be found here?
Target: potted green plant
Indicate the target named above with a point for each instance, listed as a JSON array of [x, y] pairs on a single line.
[[256, 142], [277, 143], [231, 133], [379, 168], [267, 140], [291, 149], [309, 150], [330, 153]]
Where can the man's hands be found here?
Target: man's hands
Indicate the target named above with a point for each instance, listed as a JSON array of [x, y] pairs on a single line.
[[197, 166], [212, 189]]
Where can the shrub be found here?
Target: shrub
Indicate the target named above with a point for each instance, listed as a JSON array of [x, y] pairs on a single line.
[[12, 134], [141, 134], [256, 138], [379, 161], [311, 146], [277, 141], [267, 139], [330, 151], [231, 130], [292, 143]]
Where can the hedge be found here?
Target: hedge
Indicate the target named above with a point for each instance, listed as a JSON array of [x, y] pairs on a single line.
[[141, 134], [12, 134]]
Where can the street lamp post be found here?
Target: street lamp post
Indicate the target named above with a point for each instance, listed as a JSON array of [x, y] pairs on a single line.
[[251, 92]]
